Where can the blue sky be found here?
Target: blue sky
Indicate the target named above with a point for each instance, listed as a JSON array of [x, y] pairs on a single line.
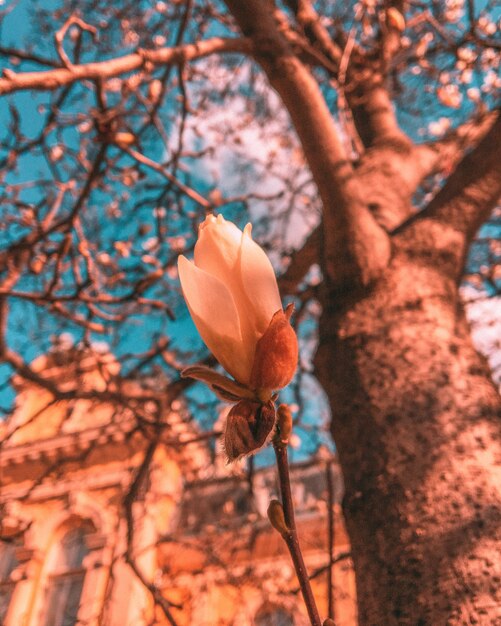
[[137, 335]]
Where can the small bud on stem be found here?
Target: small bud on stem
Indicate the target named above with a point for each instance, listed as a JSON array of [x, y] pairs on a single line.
[[284, 423], [276, 517], [395, 19]]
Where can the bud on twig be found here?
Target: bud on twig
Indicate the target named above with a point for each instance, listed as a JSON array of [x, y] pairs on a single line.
[[395, 19], [247, 428], [124, 139], [284, 423], [276, 517], [329, 622], [154, 90], [232, 294]]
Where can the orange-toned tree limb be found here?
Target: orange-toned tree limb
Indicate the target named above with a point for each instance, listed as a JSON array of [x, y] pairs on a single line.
[[49, 80]]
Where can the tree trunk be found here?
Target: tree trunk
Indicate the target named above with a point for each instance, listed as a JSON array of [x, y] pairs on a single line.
[[415, 417]]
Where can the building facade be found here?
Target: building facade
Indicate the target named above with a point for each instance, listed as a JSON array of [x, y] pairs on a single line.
[[108, 522]]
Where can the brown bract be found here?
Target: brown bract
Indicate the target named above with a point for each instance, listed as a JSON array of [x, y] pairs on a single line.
[[247, 428], [276, 356]]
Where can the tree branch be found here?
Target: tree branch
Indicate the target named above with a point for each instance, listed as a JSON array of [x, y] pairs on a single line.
[[317, 34], [463, 204], [443, 155], [53, 79], [473, 189], [364, 98], [130, 557], [290, 535], [301, 261], [354, 248], [390, 173]]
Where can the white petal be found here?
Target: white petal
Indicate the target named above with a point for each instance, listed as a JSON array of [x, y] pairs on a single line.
[[218, 252], [215, 316], [218, 248], [259, 281]]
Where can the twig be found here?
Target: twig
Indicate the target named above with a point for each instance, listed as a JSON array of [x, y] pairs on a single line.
[[344, 109], [188, 191], [342, 556], [129, 500], [61, 33], [290, 533], [331, 538]]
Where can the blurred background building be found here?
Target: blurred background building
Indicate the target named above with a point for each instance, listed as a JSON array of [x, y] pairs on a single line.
[[110, 520]]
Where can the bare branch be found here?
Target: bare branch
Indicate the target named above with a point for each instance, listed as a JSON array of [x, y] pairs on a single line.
[[464, 203], [309, 19], [443, 155], [130, 557], [474, 187], [361, 256], [301, 261], [53, 79], [61, 33], [191, 193]]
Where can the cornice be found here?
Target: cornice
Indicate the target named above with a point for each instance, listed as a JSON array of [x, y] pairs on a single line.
[[66, 445]]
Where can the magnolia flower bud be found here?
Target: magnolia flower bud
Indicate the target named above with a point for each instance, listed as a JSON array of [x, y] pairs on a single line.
[[232, 294]]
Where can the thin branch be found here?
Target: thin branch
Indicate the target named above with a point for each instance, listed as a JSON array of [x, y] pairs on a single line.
[[290, 536], [342, 556], [318, 35], [53, 79], [129, 500], [445, 153], [23, 55], [188, 191], [61, 33], [331, 538], [300, 263]]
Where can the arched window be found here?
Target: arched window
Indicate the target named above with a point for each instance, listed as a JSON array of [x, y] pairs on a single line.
[[8, 563], [274, 616], [66, 578]]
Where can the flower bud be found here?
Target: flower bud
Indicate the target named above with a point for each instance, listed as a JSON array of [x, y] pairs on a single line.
[[124, 139], [395, 19], [284, 423], [232, 294], [276, 517], [247, 427]]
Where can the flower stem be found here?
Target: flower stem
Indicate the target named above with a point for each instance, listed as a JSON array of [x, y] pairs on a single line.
[[290, 536]]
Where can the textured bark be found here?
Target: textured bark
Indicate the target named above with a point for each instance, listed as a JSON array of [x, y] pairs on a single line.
[[415, 415], [416, 419], [416, 423]]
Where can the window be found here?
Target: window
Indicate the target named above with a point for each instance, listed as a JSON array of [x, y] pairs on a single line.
[[66, 579], [8, 563], [274, 617]]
